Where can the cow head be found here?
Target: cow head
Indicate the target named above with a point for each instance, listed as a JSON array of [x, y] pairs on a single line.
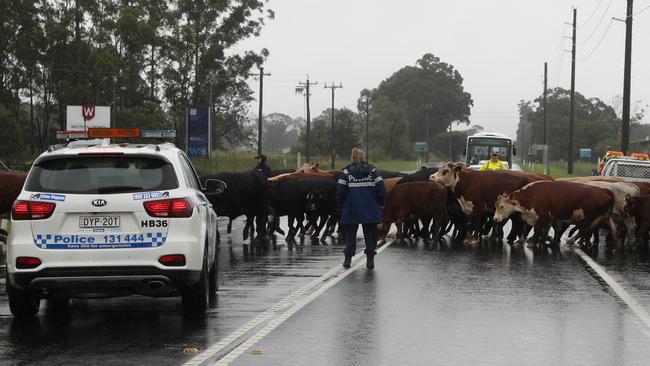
[[448, 175], [630, 205], [505, 206]]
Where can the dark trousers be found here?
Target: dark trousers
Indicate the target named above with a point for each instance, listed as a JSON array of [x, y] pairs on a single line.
[[370, 233]]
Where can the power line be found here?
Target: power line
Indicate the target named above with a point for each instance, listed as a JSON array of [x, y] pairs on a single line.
[[592, 14], [642, 10], [597, 25], [599, 42]]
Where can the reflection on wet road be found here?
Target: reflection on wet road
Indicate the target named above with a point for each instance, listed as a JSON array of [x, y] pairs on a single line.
[[494, 304], [460, 306], [145, 331]]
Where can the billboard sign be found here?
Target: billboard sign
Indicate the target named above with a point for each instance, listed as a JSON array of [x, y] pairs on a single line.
[[85, 116], [585, 153], [198, 144]]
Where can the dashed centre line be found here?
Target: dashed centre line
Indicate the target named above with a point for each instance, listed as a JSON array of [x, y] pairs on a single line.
[[275, 311]]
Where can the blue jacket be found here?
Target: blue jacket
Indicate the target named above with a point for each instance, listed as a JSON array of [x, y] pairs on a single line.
[[360, 194]]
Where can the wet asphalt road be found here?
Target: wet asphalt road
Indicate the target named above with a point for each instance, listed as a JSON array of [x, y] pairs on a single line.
[[448, 305]]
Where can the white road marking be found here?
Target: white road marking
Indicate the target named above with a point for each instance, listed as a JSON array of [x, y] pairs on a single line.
[[620, 291], [234, 354], [271, 312]]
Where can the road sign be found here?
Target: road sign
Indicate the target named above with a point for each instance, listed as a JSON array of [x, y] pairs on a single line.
[[421, 147], [83, 117], [198, 132], [585, 153]]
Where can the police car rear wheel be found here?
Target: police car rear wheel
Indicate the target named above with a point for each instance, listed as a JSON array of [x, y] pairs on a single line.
[[195, 298], [22, 304]]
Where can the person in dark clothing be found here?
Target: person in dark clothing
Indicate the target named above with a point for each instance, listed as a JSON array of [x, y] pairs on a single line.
[[360, 195], [262, 165]]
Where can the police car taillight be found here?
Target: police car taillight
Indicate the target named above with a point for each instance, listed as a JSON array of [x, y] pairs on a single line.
[[172, 260], [27, 262], [31, 210], [174, 207]]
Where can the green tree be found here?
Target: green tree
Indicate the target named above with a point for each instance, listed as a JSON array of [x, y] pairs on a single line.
[[596, 124], [347, 130], [279, 132]]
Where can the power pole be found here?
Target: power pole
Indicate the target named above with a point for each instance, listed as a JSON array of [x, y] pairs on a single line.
[[573, 92], [367, 123], [299, 89], [545, 152], [332, 152], [625, 127], [259, 117]]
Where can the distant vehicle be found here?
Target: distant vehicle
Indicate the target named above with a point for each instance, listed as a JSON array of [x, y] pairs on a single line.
[[97, 219], [481, 145], [627, 168]]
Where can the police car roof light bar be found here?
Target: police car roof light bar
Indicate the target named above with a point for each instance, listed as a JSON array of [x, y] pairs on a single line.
[[113, 133]]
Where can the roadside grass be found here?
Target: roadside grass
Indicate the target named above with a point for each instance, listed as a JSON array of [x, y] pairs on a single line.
[[557, 170], [237, 161]]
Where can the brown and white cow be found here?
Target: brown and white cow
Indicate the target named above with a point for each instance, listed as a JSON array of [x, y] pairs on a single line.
[[540, 203], [415, 199], [477, 191], [10, 186], [620, 190], [639, 208]]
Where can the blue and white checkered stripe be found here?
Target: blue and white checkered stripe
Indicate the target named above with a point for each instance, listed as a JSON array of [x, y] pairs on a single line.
[[42, 239], [156, 238], [152, 240]]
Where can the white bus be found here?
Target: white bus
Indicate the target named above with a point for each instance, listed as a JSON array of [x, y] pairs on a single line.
[[481, 145]]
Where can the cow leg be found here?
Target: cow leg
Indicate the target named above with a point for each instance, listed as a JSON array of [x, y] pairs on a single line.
[[247, 227], [292, 230], [400, 234], [323, 221], [425, 232], [229, 227]]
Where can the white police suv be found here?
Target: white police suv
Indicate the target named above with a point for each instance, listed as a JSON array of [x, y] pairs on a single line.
[[96, 219]]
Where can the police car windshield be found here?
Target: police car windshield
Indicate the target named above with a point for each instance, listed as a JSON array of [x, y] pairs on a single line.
[[106, 174]]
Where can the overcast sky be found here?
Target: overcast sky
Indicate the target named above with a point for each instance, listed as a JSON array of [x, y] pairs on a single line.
[[498, 46]]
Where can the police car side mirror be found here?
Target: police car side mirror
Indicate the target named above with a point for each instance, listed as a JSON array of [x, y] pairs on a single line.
[[514, 151], [214, 186]]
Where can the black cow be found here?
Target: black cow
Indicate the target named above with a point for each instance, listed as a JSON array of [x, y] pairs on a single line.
[[421, 175], [289, 198], [322, 204], [244, 195], [390, 174]]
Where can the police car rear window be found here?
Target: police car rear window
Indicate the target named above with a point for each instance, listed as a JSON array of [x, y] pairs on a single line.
[[106, 174]]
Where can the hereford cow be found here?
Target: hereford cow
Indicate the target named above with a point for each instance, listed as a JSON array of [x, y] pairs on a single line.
[[477, 191], [417, 199], [621, 190], [10, 186], [639, 208], [304, 175], [389, 184], [542, 202]]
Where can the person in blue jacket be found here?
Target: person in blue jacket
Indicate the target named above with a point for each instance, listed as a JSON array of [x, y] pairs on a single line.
[[360, 196]]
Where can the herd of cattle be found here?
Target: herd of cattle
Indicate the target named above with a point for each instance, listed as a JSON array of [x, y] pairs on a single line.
[[431, 202]]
